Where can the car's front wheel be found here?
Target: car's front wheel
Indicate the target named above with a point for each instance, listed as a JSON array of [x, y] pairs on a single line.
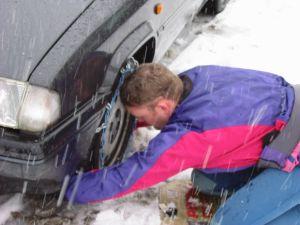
[[110, 143], [115, 129]]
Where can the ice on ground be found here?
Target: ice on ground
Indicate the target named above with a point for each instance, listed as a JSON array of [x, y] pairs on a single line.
[[129, 213], [12, 204]]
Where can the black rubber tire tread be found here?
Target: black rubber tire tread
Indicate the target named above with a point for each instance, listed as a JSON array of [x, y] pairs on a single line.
[[213, 7], [127, 128]]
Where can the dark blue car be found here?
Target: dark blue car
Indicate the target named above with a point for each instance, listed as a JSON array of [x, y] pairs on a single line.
[[60, 64]]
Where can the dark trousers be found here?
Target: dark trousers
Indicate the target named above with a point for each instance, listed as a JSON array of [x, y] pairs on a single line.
[[217, 183]]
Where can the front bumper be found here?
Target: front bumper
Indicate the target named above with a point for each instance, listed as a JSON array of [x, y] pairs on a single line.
[[35, 173], [41, 163]]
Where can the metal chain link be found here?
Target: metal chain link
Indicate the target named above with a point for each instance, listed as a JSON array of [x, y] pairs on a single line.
[[130, 66]]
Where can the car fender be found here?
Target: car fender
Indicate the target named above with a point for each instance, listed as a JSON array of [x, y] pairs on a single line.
[[127, 48]]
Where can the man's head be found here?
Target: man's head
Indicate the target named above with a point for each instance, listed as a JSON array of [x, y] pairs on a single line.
[[151, 94]]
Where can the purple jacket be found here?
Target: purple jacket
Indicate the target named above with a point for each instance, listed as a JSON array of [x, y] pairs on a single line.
[[217, 127]]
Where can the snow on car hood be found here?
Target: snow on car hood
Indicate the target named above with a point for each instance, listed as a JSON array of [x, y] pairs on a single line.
[[29, 29]]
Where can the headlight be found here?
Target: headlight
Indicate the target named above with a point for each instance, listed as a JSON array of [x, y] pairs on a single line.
[[27, 107]]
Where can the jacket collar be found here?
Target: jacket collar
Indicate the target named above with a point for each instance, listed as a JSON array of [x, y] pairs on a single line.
[[187, 87]]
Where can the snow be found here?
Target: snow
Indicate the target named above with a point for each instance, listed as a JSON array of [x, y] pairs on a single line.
[[12, 204], [129, 213], [254, 34]]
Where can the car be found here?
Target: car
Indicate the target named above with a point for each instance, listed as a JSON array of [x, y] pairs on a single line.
[[60, 64]]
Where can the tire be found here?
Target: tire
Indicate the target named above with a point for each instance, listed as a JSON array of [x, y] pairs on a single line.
[[117, 133], [213, 7]]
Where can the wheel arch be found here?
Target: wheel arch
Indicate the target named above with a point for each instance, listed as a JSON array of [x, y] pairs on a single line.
[[140, 40]]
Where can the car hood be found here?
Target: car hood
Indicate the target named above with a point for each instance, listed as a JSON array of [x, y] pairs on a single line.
[[29, 29]]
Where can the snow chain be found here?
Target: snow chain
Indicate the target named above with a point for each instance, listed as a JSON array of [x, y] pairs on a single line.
[[130, 66]]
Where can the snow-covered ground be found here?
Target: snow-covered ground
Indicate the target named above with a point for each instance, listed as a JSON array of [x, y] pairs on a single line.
[[256, 34]]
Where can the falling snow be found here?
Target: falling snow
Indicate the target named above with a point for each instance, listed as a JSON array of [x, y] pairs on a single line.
[[256, 34]]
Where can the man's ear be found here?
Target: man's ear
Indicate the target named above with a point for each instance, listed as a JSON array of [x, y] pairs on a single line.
[[164, 105]]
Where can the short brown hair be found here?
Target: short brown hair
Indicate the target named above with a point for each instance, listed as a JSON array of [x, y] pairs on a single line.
[[148, 82]]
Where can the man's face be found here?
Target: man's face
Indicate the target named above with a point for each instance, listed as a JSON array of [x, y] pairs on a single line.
[[154, 115]]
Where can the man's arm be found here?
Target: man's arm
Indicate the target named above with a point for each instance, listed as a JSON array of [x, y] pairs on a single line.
[[167, 154]]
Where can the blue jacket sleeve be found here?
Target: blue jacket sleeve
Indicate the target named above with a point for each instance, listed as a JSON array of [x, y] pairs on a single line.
[[116, 180]]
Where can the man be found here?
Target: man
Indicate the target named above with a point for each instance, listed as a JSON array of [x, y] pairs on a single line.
[[214, 119]]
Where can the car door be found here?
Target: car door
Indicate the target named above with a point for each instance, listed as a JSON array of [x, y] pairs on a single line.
[[180, 12]]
